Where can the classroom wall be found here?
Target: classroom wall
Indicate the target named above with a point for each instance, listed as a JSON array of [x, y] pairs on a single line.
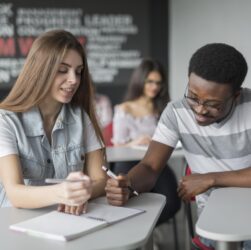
[[193, 23]]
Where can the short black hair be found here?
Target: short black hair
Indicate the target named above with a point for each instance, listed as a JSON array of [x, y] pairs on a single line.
[[220, 63]]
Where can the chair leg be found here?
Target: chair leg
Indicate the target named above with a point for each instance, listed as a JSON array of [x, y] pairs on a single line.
[[175, 234], [188, 211]]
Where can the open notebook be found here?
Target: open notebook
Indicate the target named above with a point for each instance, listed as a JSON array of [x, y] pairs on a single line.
[[64, 227]]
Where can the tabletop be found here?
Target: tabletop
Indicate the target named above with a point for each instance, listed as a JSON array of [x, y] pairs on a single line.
[[128, 234], [226, 216], [116, 154]]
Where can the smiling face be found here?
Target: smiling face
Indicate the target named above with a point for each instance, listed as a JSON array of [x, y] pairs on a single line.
[[210, 101], [67, 79], [152, 84]]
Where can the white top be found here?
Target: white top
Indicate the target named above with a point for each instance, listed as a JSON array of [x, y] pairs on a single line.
[[127, 127]]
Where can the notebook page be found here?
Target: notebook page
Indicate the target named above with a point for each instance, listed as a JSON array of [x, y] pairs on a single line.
[[109, 213]]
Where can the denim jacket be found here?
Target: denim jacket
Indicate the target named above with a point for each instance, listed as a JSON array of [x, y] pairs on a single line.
[[23, 134]]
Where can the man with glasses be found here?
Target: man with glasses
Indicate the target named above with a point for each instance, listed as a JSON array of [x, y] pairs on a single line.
[[212, 122]]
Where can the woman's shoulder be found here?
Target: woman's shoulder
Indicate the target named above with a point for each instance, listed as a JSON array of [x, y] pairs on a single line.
[[4, 113], [123, 111], [8, 119], [125, 107]]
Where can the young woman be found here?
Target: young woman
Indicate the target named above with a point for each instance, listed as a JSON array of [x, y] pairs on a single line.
[[135, 121], [48, 129]]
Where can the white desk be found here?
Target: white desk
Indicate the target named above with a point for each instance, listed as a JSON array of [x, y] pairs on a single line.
[[115, 154], [226, 217], [128, 234]]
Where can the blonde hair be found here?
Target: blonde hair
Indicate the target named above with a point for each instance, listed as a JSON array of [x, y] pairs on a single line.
[[38, 73]]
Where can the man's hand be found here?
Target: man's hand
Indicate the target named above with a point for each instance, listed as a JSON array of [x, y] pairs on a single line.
[[117, 192], [193, 185]]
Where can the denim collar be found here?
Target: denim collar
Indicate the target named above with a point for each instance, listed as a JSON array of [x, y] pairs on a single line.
[[33, 122]]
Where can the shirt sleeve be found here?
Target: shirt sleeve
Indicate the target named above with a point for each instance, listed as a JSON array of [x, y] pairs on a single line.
[[121, 132], [167, 131], [8, 142], [91, 142]]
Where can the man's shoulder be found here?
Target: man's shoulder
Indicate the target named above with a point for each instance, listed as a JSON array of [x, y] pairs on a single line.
[[246, 92], [245, 96]]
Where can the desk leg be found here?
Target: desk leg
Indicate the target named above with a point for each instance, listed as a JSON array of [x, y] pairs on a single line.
[[222, 245]]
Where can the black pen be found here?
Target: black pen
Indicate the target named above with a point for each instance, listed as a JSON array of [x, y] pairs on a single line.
[[112, 175]]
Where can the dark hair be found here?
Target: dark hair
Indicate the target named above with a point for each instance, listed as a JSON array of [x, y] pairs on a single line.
[[137, 82], [220, 63]]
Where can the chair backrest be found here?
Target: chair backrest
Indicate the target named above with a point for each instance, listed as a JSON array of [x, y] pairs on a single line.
[[107, 134], [189, 172], [195, 239]]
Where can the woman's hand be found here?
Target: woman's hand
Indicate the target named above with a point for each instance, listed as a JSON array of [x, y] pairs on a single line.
[[76, 210], [117, 192], [73, 196]]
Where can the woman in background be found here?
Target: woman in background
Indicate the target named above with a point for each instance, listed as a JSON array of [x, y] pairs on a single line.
[[104, 113], [135, 121], [48, 129]]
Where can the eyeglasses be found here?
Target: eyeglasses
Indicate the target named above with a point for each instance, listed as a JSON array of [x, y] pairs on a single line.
[[153, 82], [212, 106]]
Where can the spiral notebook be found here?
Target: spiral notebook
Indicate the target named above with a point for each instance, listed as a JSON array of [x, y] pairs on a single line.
[[64, 227]]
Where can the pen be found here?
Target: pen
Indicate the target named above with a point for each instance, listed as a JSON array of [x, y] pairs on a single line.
[[54, 181], [112, 175]]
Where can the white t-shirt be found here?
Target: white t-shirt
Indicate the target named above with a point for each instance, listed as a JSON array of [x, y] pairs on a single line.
[[222, 146], [127, 127]]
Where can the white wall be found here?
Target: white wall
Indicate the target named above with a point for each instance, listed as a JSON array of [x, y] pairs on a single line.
[[194, 23]]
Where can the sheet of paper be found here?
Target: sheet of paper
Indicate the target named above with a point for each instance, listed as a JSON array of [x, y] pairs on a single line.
[[110, 214]]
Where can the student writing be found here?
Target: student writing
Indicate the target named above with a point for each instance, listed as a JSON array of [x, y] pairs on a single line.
[[48, 129]]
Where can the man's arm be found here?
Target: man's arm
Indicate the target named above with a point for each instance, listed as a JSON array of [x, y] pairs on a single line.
[[144, 175], [141, 177], [198, 183]]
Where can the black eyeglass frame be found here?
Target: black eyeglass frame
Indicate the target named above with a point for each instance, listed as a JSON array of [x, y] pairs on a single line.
[[213, 108]]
